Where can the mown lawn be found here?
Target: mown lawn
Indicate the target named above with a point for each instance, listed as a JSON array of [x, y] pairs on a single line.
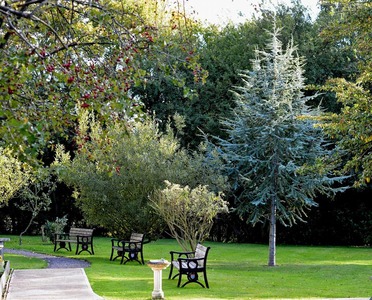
[[235, 271]]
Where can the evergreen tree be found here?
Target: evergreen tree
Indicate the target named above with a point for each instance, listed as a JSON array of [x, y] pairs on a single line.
[[275, 150]]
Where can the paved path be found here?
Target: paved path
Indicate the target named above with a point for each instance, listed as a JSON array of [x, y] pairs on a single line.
[[61, 284], [63, 279]]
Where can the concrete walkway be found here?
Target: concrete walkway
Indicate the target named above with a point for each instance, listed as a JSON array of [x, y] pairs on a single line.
[[61, 284]]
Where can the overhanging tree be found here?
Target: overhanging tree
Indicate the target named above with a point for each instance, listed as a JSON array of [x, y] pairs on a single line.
[[275, 151], [59, 55]]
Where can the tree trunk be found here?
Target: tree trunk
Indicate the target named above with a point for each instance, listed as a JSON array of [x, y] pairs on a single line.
[[272, 238], [28, 226]]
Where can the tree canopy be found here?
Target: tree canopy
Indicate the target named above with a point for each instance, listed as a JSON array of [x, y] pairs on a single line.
[[118, 165], [275, 150], [14, 175], [351, 128], [60, 56]]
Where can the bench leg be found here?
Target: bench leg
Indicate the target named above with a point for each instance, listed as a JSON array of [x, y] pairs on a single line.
[[205, 279], [119, 253], [62, 245], [84, 247], [170, 272], [179, 279], [132, 256], [142, 257], [198, 282], [85, 242], [193, 277]]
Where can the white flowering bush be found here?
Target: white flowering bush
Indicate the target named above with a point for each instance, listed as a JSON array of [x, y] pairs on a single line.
[[189, 213]]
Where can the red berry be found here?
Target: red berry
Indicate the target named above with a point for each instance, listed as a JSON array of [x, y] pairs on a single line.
[[50, 68], [85, 105]]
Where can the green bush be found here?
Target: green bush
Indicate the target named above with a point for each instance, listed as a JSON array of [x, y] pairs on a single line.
[[57, 226], [119, 164]]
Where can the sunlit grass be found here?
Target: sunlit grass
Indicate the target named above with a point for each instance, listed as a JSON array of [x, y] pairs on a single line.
[[22, 262], [235, 271]]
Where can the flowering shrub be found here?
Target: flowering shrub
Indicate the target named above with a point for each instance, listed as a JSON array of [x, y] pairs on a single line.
[[188, 212]]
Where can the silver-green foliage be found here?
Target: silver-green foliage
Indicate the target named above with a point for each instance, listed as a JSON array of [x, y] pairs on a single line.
[[189, 213], [120, 164], [275, 150]]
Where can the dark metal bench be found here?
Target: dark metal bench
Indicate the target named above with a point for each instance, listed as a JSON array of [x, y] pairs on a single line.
[[190, 264], [131, 250], [80, 236]]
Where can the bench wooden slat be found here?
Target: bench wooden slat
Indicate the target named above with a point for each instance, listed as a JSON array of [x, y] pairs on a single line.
[[81, 232]]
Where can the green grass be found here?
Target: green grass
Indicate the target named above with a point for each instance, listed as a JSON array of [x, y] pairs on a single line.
[[235, 271]]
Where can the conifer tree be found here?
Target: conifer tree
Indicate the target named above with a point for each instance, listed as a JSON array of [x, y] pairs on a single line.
[[275, 151]]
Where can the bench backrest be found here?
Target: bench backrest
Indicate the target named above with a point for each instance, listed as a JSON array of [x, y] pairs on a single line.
[[136, 237], [74, 232], [201, 252]]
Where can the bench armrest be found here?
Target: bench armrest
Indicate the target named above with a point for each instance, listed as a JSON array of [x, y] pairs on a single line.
[[131, 245], [116, 242], [178, 254], [190, 263], [182, 259], [61, 236]]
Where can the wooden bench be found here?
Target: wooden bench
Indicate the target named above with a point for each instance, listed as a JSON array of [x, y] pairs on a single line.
[[190, 264], [128, 250], [80, 236]]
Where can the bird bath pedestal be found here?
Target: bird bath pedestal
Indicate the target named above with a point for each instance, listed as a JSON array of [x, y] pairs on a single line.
[[157, 266]]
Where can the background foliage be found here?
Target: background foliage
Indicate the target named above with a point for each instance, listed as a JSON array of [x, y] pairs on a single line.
[[119, 165], [122, 59]]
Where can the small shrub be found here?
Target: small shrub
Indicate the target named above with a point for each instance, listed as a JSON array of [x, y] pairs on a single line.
[[188, 212], [57, 226]]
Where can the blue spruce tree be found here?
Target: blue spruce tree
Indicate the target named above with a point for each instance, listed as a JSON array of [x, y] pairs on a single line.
[[275, 148]]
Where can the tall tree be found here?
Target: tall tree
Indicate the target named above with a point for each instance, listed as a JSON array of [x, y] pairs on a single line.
[[275, 150], [352, 126], [224, 52]]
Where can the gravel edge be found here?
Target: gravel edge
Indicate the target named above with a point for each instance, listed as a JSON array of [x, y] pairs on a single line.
[[54, 262]]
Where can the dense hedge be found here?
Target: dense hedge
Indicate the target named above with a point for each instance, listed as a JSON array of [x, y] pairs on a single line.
[[345, 220]]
